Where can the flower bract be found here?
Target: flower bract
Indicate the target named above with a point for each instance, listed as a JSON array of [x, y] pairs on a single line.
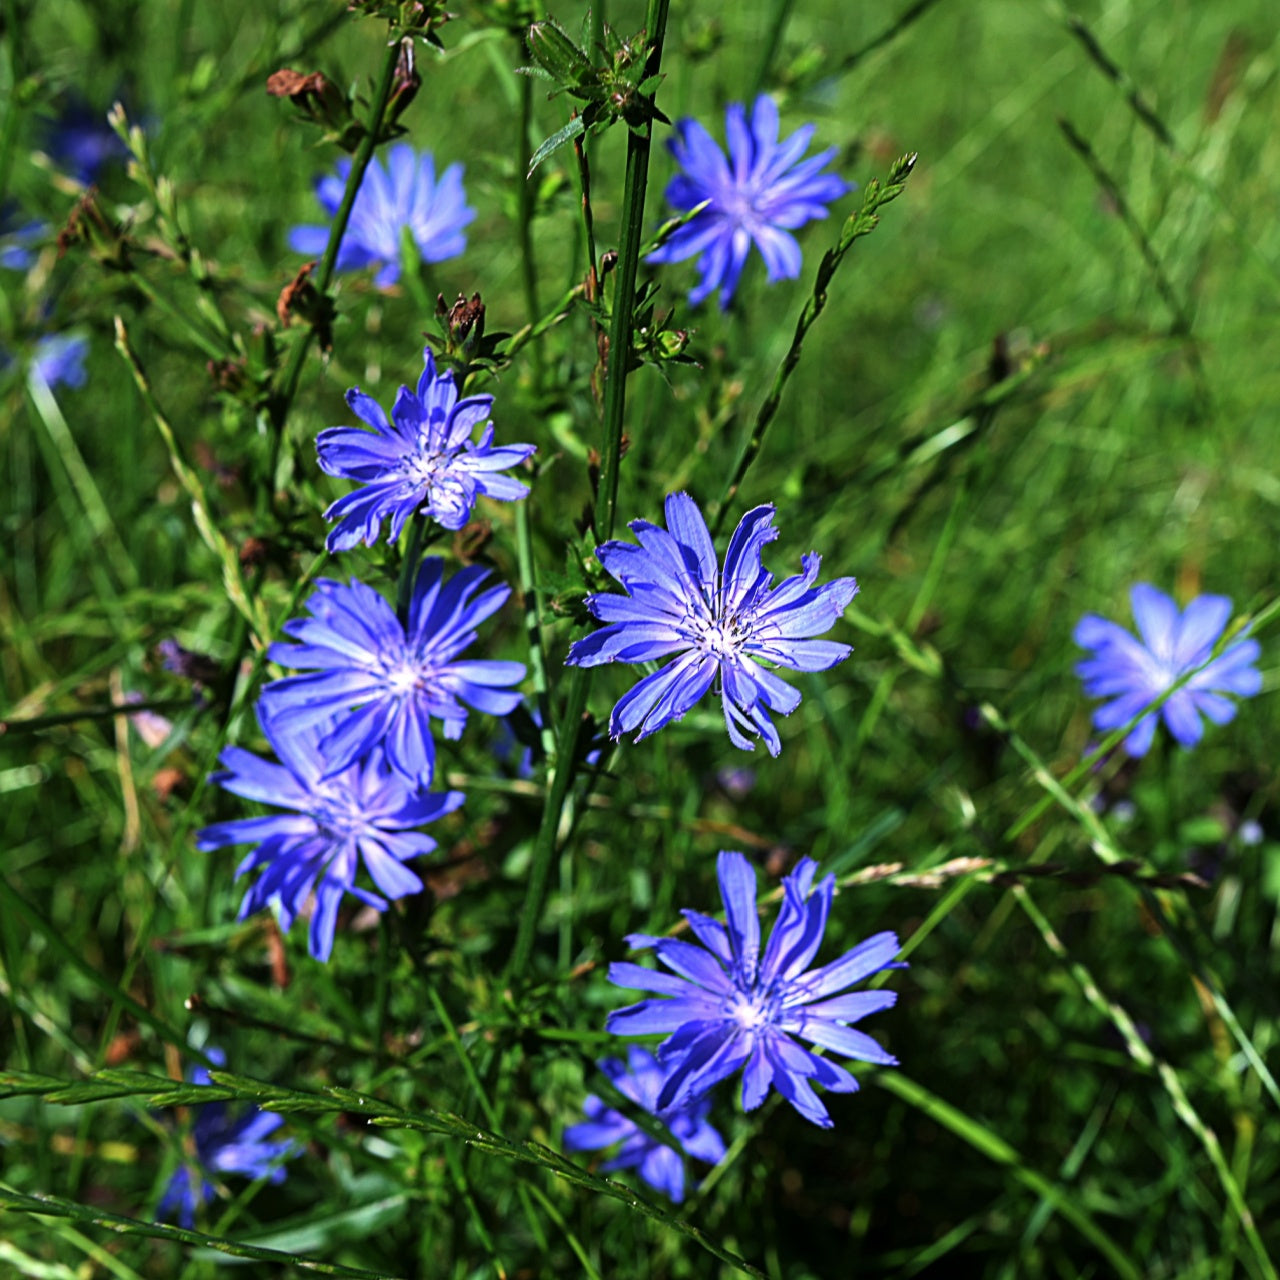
[[1131, 672], [224, 1143], [758, 195], [641, 1078], [366, 812], [424, 458], [406, 194], [718, 627], [726, 1007], [382, 682]]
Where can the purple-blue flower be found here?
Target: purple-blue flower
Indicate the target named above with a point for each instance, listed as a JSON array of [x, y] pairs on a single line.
[[81, 141], [223, 1144], [720, 626], [16, 240], [404, 194], [759, 194], [729, 1007], [640, 1078], [59, 359], [1132, 673], [358, 655], [423, 459], [365, 812]]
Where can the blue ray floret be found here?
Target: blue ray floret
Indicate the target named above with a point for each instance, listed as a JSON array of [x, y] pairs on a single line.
[[224, 1143], [640, 1078], [758, 195], [424, 458], [731, 1008], [1132, 673], [365, 812], [718, 627], [82, 142], [358, 655], [59, 359], [406, 194]]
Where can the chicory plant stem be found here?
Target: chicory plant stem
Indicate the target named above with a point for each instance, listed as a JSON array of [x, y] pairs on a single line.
[[563, 765]]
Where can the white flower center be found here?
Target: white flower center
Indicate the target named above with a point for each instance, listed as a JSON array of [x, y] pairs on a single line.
[[405, 678], [751, 1011]]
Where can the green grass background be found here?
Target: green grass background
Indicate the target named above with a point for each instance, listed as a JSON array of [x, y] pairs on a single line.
[[1076, 1095]]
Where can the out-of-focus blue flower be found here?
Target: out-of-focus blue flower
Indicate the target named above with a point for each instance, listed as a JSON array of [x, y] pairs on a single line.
[[223, 1144], [81, 141], [760, 193], [404, 194], [16, 241], [1134, 673], [362, 812], [660, 1165], [424, 458], [59, 359], [359, 655], [720, 626], [730, 1007]]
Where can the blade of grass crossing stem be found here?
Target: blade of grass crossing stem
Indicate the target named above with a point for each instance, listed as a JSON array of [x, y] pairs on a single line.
[[859, 224], [227, 1086], [998, 1150], [56, 1207]]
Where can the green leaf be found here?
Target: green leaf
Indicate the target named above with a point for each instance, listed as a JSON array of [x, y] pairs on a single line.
[[562, 138]]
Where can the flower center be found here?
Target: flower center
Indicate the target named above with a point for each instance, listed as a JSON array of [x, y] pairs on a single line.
[[721, 637], [751, 1010], [422, 469], [337, 817], [405, 678]]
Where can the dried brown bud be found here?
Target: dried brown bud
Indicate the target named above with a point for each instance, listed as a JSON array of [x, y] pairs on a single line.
[[465, 314], [300, 297], [254, 551], [407, 82], [89, 224]]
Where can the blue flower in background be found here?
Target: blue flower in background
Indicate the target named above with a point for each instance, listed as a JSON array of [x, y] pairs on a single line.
[[59, 359], [81, 141], [424, 458], [1134, 673], [364, 812], [660, 1165], [223, 1144], [757, 195], [16, 240], [731, 1008], [719, 626], [404, 194], [359, 655]]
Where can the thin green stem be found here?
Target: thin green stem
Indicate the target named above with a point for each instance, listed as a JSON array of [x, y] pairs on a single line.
[[564, 764], [283, 399], [772, 43], [526, 197]]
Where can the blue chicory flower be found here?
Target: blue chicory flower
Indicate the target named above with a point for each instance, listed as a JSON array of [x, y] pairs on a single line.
[[359, 655], [732, 1008], [404, 194], [1134, 673], [365, 811], [758, 194], [424, 458], [16, 240], [223, 1144], [81, 141], [641, 1078], [59, 359], [720, 626]]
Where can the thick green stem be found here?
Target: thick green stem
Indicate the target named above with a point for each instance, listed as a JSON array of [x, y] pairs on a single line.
[[564, 765]]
